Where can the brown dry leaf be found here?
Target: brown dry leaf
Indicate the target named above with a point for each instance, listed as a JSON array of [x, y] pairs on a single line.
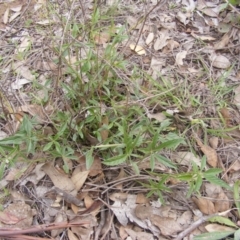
[[222, 203], [78, 178], [88, 201], [141, 199], [180, 56], [25, 43], [205, 205], [23, 71], [95, 169], [183, 17], [223, 42], [138, 49], [211, 12], [120, 176], [226, 116], [161, 41], [104, 132], [118, 196], [14, 16], [214, 227], [90, 205], [138, 235], [149, 38], [17, 8], [14, 174], [186, 158], [40, 114], [219, 61], [133, 22], [213, 141], [102, 38], [172, 44], [59, 179], [203, 37], [211, 154], [165, 224], [71, 235], [60, 217]]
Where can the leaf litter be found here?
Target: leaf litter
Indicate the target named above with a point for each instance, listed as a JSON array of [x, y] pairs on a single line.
[[94, 202]]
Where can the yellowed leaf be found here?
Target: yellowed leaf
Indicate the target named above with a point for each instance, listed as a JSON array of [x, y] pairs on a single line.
[[214, 227], [205, 205], [138, 49]]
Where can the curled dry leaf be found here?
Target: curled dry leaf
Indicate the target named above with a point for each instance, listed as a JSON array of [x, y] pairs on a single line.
[[59, 179], [165, 224], [205, 205], [213, 141], [211, 154], [184, 18], [219, 61], [180, 56], [222, 43], [158, 116], [203, 37]]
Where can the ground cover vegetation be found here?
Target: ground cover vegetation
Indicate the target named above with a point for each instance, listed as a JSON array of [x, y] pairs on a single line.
[[119, 120]]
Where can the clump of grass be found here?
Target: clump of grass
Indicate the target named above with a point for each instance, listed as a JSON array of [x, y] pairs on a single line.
[[103, 109]]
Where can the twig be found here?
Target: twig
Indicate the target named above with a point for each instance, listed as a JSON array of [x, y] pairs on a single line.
[[101, 224], [5, 232], [197, 224], [68, 197]]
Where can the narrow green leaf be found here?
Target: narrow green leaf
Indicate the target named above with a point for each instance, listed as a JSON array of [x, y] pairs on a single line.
[[222, 220], [236, 195], [47, 146], [213, 235], [212, 172], [115, 160], [89, 158], [237, 235], [171, 144], [217, 181], [166, 162], [16, 139]]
